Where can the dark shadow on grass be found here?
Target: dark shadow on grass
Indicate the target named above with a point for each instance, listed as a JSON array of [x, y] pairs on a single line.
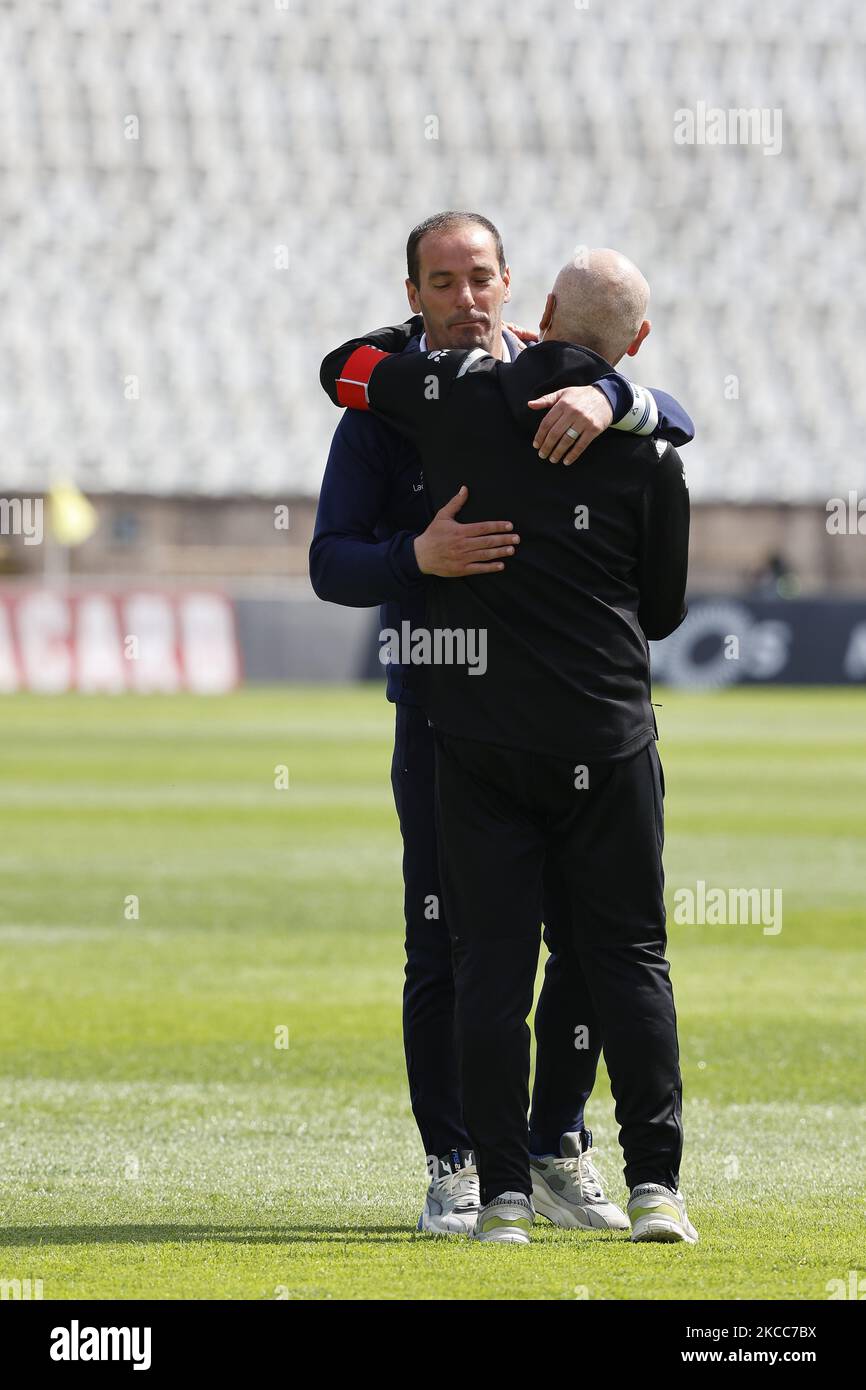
[[136, 1234]]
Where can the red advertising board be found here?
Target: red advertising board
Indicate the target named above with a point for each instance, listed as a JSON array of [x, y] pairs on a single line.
[[108, 642]]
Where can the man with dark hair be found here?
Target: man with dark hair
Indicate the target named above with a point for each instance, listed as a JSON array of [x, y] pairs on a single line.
[[449, 222], [376, 543], [546, 751]]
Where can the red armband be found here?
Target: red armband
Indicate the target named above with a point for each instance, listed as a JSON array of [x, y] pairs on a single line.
[[355, 377]]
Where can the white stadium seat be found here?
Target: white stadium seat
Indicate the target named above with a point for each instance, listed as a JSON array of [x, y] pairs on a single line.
[[304, 127]]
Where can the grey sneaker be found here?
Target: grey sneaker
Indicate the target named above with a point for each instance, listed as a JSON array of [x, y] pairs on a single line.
[[453, 1197], [507, 1218], [568, 1190], [658, 1213]]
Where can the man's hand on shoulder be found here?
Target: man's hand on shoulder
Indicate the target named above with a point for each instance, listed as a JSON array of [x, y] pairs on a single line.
[[523, 335], [454, 549], [583, 410]]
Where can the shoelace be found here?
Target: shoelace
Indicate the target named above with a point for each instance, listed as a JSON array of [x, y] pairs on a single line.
[[588, 1175], [452, 1185]]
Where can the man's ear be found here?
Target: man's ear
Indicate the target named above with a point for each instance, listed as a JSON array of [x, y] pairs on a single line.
[[547, 316], [641, 334], [506, 276], [414, 297]]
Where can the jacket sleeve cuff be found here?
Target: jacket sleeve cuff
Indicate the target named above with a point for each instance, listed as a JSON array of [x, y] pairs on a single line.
[[403, 560], [619, 393]]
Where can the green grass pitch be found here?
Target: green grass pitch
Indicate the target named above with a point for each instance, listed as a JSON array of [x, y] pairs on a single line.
[[155, 1142]]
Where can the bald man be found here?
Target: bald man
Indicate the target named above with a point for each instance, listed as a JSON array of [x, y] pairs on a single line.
[[538, 690], [603, 297]]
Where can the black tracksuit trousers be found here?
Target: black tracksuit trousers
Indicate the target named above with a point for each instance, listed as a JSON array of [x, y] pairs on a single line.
[[500, 813], [564, 1075]]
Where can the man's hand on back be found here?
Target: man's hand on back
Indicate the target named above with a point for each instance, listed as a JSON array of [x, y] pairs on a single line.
[[585, 409], [453, 549]]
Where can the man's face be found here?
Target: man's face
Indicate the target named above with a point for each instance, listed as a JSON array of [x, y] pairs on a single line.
[[461, 291]]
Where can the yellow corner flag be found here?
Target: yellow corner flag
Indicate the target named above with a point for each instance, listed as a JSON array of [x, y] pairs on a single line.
[[73, 518]]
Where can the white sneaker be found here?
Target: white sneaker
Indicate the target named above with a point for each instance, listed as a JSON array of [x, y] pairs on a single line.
[[453, 1197], [658, 1213], [568, 1190], [508, 1218]]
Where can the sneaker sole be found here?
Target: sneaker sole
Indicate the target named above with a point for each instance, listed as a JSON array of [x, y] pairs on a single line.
[[504, 1238], [664, 1232]]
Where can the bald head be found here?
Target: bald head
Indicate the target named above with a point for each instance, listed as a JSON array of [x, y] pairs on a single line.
[[600, 301]]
